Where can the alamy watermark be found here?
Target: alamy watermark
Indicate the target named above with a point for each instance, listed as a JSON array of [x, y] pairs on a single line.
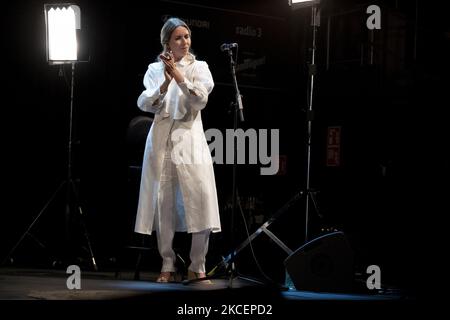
[[74, 280], [374, 20], [263, 147], [374, 280]]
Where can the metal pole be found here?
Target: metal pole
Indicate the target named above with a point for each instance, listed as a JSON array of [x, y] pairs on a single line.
[[309, 115], [72, 84], [237, 109], [69, 157], [71, 184]]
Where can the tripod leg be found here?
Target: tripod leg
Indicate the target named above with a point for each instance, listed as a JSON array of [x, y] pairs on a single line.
[[86, 234], [33, 223], [226, 261], [312, 194]]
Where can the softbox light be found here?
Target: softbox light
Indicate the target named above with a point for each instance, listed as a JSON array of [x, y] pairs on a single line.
[[297, 4], [62, 22]]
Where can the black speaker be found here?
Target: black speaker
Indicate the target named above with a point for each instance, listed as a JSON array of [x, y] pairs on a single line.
[[324, 264]]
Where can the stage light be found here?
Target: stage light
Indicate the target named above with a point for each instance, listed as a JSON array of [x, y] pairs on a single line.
[[296, 4], [62, 22]]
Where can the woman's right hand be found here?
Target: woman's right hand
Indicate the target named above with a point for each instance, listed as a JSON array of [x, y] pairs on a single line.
[[168, 77]]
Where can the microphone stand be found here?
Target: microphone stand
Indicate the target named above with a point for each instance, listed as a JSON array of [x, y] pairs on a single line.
[[238, 104], [238, 109]]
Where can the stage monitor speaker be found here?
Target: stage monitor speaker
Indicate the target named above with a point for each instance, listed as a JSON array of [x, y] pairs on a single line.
[[324, 264]]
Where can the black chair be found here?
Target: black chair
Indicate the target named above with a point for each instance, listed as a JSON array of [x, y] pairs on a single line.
[[136, 136], [140, 250]]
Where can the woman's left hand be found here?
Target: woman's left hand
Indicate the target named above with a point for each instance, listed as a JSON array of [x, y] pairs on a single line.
[[171, 68], [169, 63]]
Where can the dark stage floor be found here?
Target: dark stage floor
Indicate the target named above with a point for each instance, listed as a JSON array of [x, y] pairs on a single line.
[[100, 289]]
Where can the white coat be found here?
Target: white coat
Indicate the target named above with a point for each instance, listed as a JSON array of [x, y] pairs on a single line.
[[178, 117]]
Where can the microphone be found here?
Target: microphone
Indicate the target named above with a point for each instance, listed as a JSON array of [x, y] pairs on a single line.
[[228, 46]]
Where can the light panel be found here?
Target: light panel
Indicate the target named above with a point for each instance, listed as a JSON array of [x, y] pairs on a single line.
[[296, 4], [62, 21]]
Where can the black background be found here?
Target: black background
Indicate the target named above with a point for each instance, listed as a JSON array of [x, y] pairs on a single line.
[[383, 195]]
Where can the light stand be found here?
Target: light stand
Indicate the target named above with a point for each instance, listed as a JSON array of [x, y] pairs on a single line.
[[72, 200], [310, 195], [70, 184], [312, 71]]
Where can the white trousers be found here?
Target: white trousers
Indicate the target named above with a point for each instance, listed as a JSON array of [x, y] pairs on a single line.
[[165, 227]]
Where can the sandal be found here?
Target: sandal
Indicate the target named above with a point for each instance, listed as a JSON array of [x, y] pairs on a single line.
[[166, 277], [198, 275]]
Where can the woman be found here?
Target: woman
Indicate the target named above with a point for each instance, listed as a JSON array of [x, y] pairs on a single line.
[[178, 191]]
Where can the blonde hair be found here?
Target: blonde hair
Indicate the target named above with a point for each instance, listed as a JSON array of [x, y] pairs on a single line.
[[169, 26]]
